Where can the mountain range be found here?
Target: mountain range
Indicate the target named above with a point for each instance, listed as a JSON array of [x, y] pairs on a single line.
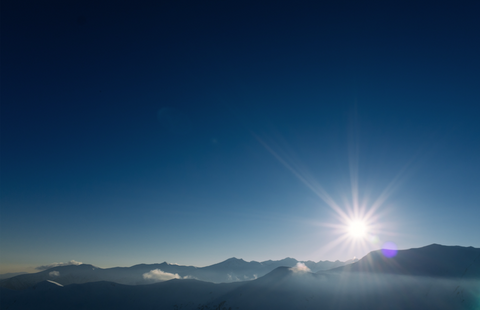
[[230, 270], [433, 277]]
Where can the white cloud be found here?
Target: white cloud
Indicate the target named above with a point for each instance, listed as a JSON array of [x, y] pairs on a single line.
[[233, 278], [54, 274], [158, 275], [45, 267], [300, 267], [189, 277]]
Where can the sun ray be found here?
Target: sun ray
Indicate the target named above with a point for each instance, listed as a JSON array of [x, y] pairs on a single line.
[[358, 222], [316, 188]]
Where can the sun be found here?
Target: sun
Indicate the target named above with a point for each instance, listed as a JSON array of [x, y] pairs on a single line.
[[357, 229]]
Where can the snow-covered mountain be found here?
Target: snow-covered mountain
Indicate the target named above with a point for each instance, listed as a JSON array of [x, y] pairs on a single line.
[[355, 287], [230, 270]]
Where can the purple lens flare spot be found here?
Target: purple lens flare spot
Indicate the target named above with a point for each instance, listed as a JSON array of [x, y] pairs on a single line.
[[389, 249]]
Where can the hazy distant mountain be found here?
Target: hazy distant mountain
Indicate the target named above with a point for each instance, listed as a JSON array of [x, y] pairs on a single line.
[[63, 274], [11, 274], [375, 287], [230, 270], [235, 269]]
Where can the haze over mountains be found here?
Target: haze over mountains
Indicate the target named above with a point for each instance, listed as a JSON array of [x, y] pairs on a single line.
[[432, 277], [230, 270], [10, 274]]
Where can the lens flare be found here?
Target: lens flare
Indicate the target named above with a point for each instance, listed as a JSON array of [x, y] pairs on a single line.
[[389, 249]]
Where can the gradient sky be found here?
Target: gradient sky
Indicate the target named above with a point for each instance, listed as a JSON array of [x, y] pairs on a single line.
[[191, 132]]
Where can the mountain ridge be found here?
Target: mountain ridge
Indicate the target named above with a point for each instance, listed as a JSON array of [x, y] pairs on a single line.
[[432, 260], [375, 287], [349, 287], [230, 270]]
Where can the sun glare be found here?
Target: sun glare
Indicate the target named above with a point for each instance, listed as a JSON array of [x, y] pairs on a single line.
[[358, 224], [357, 229]]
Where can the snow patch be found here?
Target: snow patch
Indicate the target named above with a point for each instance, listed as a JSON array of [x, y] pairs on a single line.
[[56, 283]]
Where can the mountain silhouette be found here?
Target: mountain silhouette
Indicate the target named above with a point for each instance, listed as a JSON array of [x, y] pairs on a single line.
[[230, 270], [428, 278], [433, 260]]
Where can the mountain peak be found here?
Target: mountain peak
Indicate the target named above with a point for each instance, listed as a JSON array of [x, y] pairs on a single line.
[[235, 260], [289, 260]]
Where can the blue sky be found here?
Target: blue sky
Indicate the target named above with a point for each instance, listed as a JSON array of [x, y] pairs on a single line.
[[191, 133]]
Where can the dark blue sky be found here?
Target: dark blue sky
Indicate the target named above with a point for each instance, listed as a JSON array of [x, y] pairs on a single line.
[[192, 132]]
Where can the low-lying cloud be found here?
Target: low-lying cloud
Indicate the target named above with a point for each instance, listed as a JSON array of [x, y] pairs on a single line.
[[45, 267], [300, 267], [54, 274], [158, 275]]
